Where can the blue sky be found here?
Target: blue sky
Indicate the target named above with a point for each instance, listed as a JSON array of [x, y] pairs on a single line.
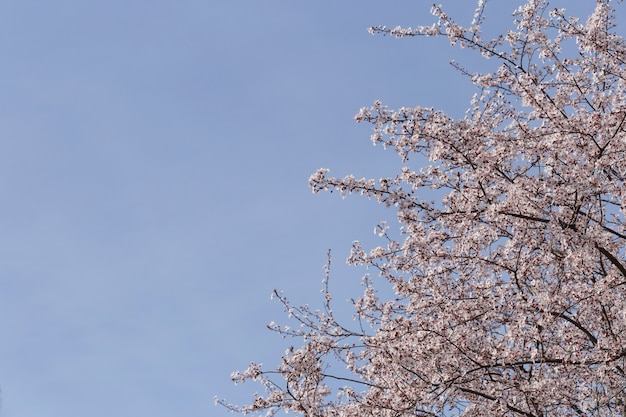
[[153, 185]]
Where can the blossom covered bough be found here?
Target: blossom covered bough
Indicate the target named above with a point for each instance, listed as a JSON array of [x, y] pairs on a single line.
[[510, 289]]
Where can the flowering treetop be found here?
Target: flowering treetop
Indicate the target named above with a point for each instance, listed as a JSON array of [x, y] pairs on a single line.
[[510, 290]]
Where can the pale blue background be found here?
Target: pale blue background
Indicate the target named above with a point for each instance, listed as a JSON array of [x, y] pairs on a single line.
[[154, 158]]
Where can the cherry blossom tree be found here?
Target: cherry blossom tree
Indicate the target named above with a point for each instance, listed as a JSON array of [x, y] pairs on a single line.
[[510, 288]]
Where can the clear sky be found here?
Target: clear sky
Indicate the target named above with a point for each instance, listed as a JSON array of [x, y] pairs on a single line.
[[154, 158]]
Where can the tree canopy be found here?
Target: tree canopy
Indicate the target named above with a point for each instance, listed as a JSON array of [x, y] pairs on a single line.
[[510, 287]]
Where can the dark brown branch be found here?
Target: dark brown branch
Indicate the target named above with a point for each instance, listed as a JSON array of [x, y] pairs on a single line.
[[591, 337], [612, 259], [525, 217], [492, 398]]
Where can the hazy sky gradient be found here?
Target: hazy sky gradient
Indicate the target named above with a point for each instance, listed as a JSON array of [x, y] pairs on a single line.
[[153, 185]]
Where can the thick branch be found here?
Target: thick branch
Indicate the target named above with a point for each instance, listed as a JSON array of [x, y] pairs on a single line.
[[492, 398], [591, 337], [612, 259]]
